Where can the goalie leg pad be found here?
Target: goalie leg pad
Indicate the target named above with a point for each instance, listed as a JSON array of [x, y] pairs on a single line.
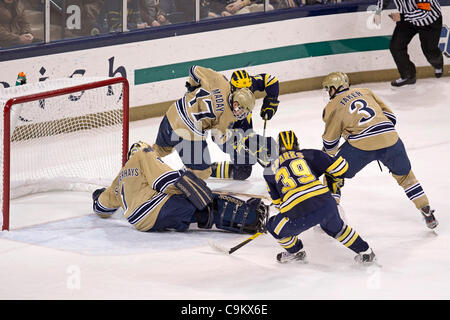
[[195, 189], [236, 215]]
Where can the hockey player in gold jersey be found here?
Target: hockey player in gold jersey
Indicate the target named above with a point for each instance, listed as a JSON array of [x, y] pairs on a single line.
[[209, 105], [154, 197], [368, 126]]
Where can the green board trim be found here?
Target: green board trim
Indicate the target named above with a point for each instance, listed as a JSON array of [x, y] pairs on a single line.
[[254, 58]]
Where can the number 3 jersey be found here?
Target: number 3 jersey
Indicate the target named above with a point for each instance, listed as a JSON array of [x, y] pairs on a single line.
[[361, 118], [293, 179]]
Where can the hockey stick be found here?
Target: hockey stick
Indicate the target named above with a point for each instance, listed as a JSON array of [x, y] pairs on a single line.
[[264, 129], [233, 249]]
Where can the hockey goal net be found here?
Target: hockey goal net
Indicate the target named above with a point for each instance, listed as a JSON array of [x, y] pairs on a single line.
[[65, 134]]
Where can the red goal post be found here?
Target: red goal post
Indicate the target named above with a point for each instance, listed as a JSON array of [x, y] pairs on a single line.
[[64, 134]]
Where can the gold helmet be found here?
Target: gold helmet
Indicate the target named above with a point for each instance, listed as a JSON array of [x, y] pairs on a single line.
[[246, 102], [338, 80], [287, 141], [135, 147], [240, 79]]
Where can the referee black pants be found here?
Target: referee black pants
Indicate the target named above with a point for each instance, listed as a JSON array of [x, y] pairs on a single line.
[[429, 40]]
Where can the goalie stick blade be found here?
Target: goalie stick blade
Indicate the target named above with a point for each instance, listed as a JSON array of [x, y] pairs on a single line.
[[218, 248]]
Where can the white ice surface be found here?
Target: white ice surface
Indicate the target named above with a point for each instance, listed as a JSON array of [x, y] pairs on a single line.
[[58, 249]]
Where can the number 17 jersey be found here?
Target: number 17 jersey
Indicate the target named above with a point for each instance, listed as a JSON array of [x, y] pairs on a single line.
[[361, 118]]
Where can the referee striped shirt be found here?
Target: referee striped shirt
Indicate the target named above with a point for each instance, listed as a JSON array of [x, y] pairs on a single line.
[[418, 12]]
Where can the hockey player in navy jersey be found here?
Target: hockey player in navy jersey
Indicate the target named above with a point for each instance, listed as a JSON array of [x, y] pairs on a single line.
[[368, 126], [245, 146], [303, 201]]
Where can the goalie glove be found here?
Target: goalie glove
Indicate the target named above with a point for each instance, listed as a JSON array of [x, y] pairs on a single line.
[[269, 107], [195, 189]]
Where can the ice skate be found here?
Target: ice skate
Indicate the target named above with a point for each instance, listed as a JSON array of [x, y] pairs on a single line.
[[430, 220], [285, 257], [366, 257]]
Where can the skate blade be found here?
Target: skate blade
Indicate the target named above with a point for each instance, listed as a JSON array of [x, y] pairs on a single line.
[[406, 87], [435, 230], [368, 264], [304, 261]]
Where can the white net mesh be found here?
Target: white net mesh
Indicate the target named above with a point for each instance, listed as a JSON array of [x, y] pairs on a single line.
[[68, 142]]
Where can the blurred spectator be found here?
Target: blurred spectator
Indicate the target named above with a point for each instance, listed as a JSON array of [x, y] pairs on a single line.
[[110, 17], [187, 8], [283, 4], [246, 6], [152, 13], [217, 8], [15, 30], [89, 13], [83, 24]]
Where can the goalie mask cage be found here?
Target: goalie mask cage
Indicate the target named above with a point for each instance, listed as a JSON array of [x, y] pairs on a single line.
[[64, 134]]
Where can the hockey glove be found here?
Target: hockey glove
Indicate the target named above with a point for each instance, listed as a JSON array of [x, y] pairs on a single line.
[[334, 184], [269, 107], [195, 189]]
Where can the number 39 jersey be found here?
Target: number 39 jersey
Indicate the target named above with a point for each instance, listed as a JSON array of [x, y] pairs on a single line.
[[361, 118], [294, 178]]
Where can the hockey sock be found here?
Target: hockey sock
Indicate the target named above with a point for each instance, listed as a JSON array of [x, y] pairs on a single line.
[[227, 170], [292, 244], [413, 189], [351, 239]]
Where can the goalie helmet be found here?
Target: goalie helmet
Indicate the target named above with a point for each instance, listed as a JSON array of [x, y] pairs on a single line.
[[135, 147], [240, 79], [287, 141], [337, 80], [245, 103]]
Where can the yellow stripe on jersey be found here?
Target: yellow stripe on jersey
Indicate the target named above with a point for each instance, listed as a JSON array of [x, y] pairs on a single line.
[[269, 80], [276, 201], [299, 199], [302, 188], [249, 117], [280, 225], [339, 167]]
